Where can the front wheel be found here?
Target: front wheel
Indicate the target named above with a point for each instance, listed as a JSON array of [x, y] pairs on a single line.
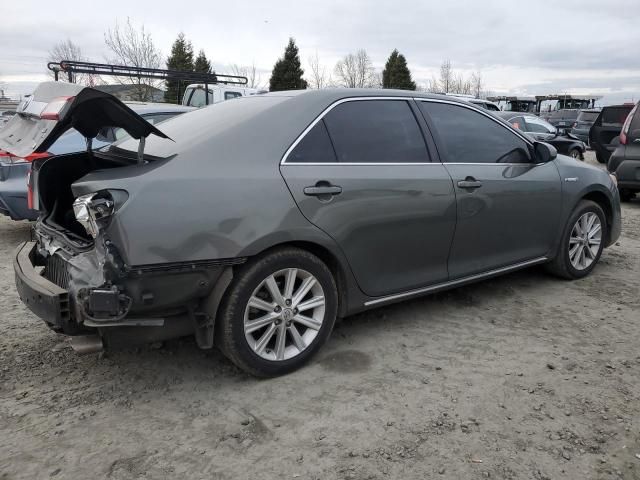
[[575, 153], [278, 312], [582, 242]]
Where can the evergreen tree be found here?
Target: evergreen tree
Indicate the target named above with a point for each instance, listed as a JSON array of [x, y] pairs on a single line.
[[287, 72], [181, 58], [202, 64], [396, 74]]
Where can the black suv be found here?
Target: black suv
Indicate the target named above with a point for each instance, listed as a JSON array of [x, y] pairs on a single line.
[[605, 132], [624, 162]]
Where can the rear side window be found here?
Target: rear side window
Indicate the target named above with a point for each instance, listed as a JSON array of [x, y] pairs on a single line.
[[588, 116], [376, 131], [613, 116], [633, 132], [538, 125], [230, 95], [315, 147], [471, 137]]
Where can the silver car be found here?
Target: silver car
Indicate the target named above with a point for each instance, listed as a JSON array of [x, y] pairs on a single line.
[[253, 224]]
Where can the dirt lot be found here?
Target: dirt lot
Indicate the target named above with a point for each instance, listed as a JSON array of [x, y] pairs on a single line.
[[522, 377]]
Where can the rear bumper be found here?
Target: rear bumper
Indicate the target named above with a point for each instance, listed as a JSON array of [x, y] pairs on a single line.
[[627, 170], [44, 298]]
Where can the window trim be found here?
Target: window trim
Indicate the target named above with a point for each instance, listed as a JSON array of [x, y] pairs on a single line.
[[357, 99], [439, 161]]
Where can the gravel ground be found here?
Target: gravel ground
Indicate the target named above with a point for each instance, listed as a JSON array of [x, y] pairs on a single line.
[[521, 377]]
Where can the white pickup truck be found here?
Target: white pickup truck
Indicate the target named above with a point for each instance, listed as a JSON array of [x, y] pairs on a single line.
[[194, 95]]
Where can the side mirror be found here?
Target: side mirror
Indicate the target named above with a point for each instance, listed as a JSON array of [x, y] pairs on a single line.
[[544, 152]]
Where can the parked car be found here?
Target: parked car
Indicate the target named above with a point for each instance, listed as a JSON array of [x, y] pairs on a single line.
[[604, 135], [15, 171], [483, 103], [583, 124], [543, 131], [194, 95], [624, 162], [486, 104], [260, 245], [564, 118]]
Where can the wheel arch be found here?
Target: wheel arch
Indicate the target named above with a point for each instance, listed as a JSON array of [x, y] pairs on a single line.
[[605, 203]]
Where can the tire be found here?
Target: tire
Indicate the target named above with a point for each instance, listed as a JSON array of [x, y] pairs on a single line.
[[243, 342], [600, 158], [575, 153], [626, 195], [562, 265]]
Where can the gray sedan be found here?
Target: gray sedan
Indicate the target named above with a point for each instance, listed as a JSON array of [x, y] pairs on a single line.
[[255, 223]]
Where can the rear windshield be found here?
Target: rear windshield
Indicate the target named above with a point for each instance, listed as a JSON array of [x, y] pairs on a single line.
[[203, 124], [588, 116], [615, 115]]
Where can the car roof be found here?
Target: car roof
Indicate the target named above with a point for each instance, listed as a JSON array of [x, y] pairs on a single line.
[[330, 95], [148, 107]]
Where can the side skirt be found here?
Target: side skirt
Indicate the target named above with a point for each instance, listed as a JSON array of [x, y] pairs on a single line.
[[454, 283]]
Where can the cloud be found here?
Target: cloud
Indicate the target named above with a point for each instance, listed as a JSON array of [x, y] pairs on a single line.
[[517, 45]]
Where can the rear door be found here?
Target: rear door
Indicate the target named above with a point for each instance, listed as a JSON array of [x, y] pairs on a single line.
[[363, 174], [605, 132], [508, 206]]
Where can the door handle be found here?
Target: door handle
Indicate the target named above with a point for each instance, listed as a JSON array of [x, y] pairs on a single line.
[[320, 190], [469, 183]]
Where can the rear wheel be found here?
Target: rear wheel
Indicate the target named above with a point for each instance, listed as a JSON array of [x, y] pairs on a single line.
[[600, 158], [279, 311], [582, 242]]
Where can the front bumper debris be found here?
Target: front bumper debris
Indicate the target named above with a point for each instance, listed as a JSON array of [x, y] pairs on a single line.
[[43, 297]]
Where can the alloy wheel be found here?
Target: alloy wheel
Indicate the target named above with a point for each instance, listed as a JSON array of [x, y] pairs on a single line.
[[584, 242], [284, 314]]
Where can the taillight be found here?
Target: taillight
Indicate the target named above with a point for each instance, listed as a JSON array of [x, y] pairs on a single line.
[[29, 191], [626, 125], [56, 108], [28, 159]]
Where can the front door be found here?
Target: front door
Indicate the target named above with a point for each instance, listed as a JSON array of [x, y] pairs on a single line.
[[508, 206], [363, 174]]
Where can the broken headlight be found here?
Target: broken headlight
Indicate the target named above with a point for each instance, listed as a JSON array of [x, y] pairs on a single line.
[[92, 211]]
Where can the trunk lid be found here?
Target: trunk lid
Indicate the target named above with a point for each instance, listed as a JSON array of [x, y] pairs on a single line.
[[55, 107]]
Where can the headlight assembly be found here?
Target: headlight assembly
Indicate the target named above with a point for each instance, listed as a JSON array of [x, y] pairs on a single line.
[[92, 210]]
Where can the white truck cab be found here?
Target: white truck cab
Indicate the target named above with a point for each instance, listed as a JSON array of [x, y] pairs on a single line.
[[194, 95]]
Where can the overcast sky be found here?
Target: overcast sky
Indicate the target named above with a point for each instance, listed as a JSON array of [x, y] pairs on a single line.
[[533, 47]]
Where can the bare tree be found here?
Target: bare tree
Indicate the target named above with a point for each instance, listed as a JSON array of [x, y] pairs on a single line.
[[355, 70], [134, 47], [254, 79], [446, 77], [319, 77], [67, 50], [477, 84]]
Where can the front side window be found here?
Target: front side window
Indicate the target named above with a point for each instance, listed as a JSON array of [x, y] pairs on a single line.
[[468, 136], [538, 125], [376, 131], [315, 147]]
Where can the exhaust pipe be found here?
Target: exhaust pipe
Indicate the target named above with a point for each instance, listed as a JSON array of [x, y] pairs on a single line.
[[85, 344]]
